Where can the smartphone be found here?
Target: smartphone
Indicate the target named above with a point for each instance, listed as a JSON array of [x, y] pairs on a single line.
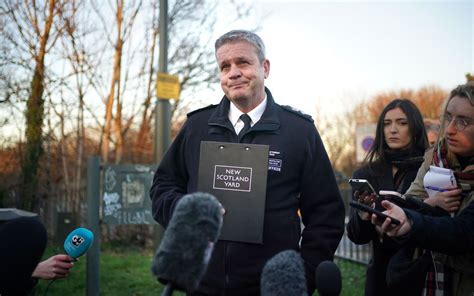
[[368, 209], [362, 185], [395, 197]]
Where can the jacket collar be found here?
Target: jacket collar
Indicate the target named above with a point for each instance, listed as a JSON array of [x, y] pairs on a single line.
[[268, 122]]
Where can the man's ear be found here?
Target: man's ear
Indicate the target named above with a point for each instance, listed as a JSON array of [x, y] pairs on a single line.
[[266, 68]]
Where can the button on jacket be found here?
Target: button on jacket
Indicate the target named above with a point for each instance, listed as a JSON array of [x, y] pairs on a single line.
[[300, 176]]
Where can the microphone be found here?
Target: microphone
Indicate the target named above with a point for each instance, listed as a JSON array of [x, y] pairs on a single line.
[[328, 279], [78, 242], [284, 275], [187, 244]]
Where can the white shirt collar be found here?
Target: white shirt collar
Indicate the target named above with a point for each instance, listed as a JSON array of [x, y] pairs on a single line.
[[255, 114]]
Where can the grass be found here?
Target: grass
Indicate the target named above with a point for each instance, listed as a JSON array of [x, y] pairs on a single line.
[[125, 271], [353, 277]]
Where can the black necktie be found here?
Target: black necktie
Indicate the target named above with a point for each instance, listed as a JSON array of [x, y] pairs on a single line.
[[246, 119]]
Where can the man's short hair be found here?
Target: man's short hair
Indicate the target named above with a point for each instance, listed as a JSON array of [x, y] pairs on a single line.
[[243, 35]]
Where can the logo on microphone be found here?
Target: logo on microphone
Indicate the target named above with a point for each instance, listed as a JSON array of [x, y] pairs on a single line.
[[77, 240]]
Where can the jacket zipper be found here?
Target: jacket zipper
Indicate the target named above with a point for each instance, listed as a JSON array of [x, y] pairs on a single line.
[[225, 265]]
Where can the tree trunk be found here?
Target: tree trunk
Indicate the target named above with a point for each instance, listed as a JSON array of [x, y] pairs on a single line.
[[34, 123], [144, 130], [115, 81]]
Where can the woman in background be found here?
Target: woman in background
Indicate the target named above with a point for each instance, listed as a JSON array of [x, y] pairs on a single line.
[[391, 164], [452, 238]]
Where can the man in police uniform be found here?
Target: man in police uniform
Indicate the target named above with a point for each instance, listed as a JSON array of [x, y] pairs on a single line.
[[302, 179]]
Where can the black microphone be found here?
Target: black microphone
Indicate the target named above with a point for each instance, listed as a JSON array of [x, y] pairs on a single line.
[[328, 279], [185, 250], [284, 275]]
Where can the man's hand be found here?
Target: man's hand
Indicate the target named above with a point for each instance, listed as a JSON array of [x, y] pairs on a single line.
[[55, 267], [396, 212]]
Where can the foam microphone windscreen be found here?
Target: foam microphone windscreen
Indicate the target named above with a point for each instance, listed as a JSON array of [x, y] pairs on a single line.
[[186, 247], [78, 242], [284, 275], [328, 279]]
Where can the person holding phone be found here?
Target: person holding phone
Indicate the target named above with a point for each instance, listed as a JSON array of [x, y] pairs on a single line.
[[391, 164], [449, 238]]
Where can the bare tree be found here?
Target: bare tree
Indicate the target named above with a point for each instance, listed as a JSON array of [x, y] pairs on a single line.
[[427, 98], [123, 29], [190, 24], [337, 133], [32, 29], [96, 85]]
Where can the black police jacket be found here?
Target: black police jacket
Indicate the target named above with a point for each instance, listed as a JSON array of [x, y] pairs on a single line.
[[304, 181]]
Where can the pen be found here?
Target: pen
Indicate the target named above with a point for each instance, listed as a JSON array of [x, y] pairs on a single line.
[[463, 194], [436, 188]]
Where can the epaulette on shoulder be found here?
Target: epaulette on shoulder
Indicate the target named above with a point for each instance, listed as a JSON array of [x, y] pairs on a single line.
[[297, 112], [201, 109]]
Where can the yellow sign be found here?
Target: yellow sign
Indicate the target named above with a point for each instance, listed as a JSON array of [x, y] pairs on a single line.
[[167, 86]]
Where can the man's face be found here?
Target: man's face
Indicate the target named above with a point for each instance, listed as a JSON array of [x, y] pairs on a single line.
[[242, 75]]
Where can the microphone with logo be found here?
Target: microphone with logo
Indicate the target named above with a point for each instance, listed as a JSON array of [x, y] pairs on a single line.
[[187, 244], [284, 275], [328, 279], [78, 242]]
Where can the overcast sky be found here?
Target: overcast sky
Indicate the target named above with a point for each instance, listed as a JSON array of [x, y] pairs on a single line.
[[326, 54]]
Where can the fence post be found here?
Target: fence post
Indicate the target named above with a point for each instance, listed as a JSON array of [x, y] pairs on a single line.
[[93, 203]]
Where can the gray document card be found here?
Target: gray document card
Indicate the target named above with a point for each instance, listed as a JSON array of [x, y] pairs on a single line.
[[236, 174]]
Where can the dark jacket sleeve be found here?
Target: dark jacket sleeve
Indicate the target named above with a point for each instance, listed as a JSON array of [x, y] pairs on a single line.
[[170, 180], [322, 208], [446, 235], [359, 231]]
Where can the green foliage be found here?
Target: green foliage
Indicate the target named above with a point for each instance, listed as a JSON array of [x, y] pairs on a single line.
[[125, 271]]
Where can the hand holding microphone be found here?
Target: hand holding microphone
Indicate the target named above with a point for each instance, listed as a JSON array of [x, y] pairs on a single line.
[[57, 267]]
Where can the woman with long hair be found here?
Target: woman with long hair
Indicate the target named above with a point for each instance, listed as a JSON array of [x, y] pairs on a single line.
[[449, 240], [391, 164]]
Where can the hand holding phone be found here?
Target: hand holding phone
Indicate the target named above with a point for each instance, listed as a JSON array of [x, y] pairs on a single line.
[[394, 197], [362, 185], [364, 192], [368, 209]]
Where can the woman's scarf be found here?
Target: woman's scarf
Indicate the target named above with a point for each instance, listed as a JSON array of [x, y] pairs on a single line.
[[404, 158], [407, 161]]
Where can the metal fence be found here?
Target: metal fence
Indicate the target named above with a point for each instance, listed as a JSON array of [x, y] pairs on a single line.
[[54, 208], [347, 249]]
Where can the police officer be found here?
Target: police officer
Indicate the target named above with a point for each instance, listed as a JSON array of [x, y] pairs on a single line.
[[300, 175]]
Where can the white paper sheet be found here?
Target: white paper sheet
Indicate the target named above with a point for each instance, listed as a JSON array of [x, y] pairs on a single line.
[[438, 177]]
